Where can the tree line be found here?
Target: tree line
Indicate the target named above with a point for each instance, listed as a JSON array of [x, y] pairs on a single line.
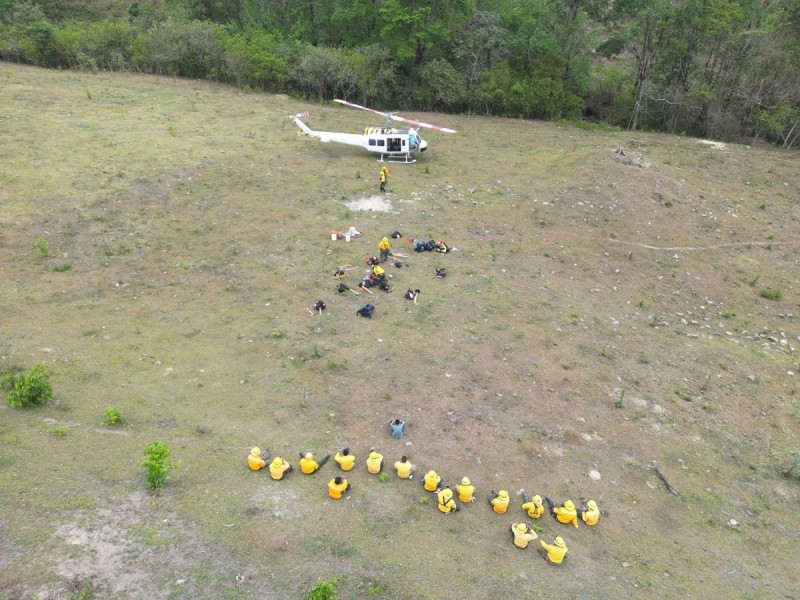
[[726, 69]]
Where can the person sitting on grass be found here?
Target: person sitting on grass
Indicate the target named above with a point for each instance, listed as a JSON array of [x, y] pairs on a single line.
[[564, 514], [278, 467], [590, 513], [466, 491], [432, 482], [446, 503], [404, 468], [374, 462], [257, 459], [337, 486], [345, 460], [533, 506], [499, 501], [412, 295], [522, 533], [308, 465], [397, 428], [554, 554]]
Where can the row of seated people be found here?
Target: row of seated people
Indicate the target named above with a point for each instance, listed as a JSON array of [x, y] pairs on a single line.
[[522, 533]]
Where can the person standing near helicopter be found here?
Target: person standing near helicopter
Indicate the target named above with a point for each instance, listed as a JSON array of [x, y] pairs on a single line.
[[383, 177]]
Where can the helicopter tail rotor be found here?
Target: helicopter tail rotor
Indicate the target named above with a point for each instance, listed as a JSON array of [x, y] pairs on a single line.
[[301, 115]]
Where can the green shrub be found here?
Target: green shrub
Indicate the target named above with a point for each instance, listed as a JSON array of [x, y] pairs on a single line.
[[324, 590], [791, 466], [383, 477], [112, 417], [42, 247], [29, 388], [157, 464], [771, 293], [62, 268], [61, 431]]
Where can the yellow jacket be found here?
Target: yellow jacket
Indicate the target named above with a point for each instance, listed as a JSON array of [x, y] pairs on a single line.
[[555, 554], [385, 171], [591, 516], [377, 271], [346, 461], [432, 482], [465, 492], [384, 244], [403, 469], [521, 538], [278, 471], [500, 505], [446, 502], [335, 490], [308, 465], [374, 464], [256, 462], [535, 510], [566, 515]]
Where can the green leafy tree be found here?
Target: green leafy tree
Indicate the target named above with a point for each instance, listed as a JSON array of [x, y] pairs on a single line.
[[29, 388]]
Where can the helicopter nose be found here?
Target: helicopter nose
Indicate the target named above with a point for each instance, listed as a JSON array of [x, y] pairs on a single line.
[[423, 145]]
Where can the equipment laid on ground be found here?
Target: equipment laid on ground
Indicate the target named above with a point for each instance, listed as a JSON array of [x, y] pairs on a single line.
[[394, 145]]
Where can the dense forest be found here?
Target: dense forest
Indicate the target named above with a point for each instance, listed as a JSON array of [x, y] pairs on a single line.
[[725, 69]]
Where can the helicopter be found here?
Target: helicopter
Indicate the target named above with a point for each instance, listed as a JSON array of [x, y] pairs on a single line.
[[393, 145]]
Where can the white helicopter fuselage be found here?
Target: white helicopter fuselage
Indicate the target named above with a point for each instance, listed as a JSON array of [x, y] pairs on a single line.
[[395, 145]]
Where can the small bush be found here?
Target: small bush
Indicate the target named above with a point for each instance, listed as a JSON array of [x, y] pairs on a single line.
[[61, 431], [157, 464], [728, 314], [771, 293], [62, 268], [41, 247], [29, 388], [791, 466], [112, 417], [383, 477], [324, 590]]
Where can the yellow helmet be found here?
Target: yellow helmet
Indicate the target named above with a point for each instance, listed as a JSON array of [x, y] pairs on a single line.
[[537, 499], [309, 456], [373, 455], [277, 462], [431, 474], [255, 451], [465, 481], [560, 542], [592, 504], [447, 493], [503, 494], [569, 504], [522, 527]]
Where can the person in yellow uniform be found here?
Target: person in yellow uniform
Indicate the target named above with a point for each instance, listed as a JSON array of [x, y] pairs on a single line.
[[384, 246], [533, 506], [374, 462], [337, 486], [554, 554], [378, 271], [308, 465], [404, 468], [564, 514], [257, 459], [432, 482], [383, 177], [590, 513], [466, 491], [446, 503], [522, 533], [499, 501], [345, 460], [278, 467]]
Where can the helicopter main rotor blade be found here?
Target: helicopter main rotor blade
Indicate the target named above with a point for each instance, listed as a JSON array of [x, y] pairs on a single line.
[[397, 118]]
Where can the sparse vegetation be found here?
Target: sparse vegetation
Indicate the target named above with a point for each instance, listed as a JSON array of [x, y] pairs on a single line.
[[771, 293], [158, 465], [323, 590], [112, 417], [41, 247]]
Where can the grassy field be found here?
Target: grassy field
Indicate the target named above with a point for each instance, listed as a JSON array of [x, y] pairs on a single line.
[[602, 312]]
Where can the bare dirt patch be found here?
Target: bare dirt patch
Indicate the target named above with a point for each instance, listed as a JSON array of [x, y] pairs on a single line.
[[371, 203]]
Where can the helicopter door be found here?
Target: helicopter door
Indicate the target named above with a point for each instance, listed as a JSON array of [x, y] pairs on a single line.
[[395, 144]]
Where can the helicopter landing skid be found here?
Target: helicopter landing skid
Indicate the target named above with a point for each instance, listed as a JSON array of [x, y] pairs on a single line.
[[394, 158]]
